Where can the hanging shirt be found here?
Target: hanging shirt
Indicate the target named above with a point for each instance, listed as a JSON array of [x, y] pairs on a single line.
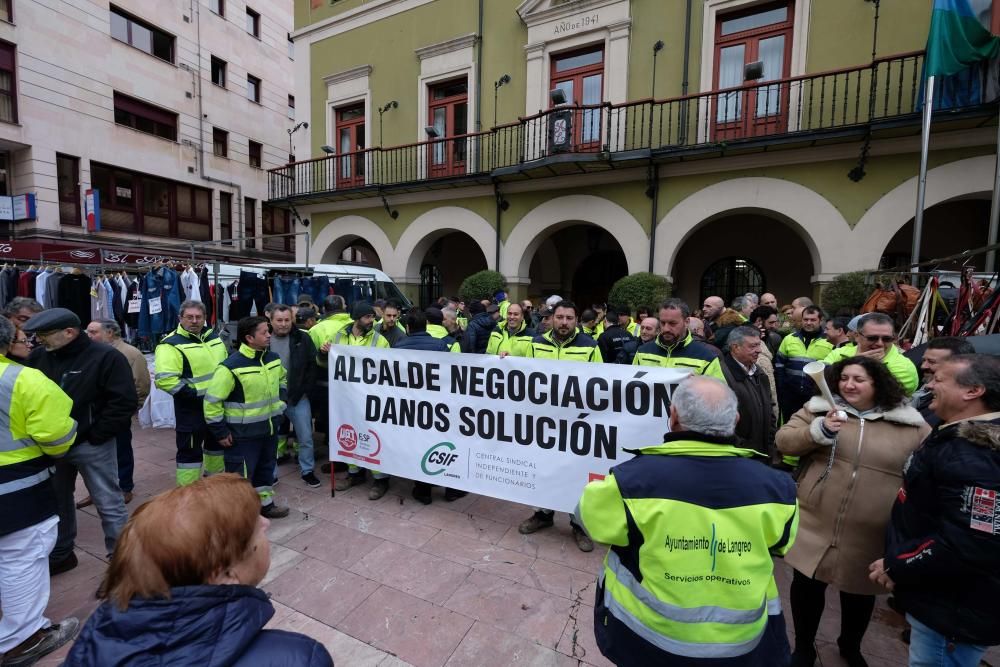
[[191, 284], [41, 281]]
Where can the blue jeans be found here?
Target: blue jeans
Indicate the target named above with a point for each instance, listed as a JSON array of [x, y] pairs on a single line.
[[286, 290], [300, 415], [929, 648], [99, 466], [318, 287]]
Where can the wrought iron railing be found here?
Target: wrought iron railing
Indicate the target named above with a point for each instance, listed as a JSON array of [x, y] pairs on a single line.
[[887, 89]]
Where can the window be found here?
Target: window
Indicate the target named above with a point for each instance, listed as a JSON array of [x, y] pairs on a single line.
[[732, 277], [580, 75], [448, 112], [8, 83], [249, 221], [220, 142], [291, 47], [145, 117], [219, 71], [276, 221], [291, 107], [226, 215], [256, 150], [139, 203], [350, 132], [217, 6], [68, 183], [253, 23], [762, 33], [141, 35], [7, 11], [253, 88]]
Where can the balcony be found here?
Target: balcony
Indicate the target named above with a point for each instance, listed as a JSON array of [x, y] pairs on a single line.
[[846, 104]]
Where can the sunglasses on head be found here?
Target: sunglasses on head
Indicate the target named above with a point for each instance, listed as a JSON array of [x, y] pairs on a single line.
[[884, 339]]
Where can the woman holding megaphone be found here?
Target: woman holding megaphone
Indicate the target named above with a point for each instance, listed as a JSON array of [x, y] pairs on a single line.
[[853, 444]]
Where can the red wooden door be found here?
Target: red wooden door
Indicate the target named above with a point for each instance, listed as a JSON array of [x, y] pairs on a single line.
[[448, 114], [350, 133], [580, 75]]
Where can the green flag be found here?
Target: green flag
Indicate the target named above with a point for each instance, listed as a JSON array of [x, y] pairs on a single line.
[[957, 40]]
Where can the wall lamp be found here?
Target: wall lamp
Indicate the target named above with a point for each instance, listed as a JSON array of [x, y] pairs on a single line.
[[431, 132], [329, 150], [558, 96]]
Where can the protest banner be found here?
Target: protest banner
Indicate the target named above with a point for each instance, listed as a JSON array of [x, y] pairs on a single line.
[[531, 431]]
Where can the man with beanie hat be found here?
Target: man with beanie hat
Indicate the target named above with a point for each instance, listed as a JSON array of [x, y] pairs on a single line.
[[98, 379], [361, 333], [500, 299]]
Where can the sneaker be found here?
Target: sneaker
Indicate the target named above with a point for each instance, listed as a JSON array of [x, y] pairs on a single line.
[[379, 487], [311, 480], [451, 495], [537, 521], [583, 541], [422, 493], [86, 502], [273, 511], [352, 479], [42, 643], [64, 565]]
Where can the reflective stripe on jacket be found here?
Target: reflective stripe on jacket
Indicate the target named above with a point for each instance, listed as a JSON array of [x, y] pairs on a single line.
[[579, 347], [183, 367], [327, 328], [246, 395], [694, 355], [371, 339], [794, 386], [502, 340], [693, 524], [35, 427]]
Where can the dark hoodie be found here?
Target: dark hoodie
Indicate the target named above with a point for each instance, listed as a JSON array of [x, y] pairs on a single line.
[[207, 626], [943, 540]]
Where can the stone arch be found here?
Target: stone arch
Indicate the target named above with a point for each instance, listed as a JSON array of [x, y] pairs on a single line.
[[339, 233], [551, 215], [432, 225], [809, 214], [896, 208]]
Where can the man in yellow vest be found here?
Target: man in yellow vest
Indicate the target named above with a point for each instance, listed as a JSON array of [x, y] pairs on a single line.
[[36, 429], [512, 335], [675, 347], [693, 525], [876, 339]]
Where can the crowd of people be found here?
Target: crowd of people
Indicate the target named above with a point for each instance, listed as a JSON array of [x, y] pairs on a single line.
[[886, 483]]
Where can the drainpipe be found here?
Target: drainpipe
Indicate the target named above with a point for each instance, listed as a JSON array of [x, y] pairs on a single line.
[[201, 135], [653, 192], [684, 73], [499, 214], [479, 86]]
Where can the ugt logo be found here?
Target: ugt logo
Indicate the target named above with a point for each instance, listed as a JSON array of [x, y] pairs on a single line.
[[438, 458]]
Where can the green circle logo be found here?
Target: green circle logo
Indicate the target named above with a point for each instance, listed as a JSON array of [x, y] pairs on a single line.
[[437, 459]]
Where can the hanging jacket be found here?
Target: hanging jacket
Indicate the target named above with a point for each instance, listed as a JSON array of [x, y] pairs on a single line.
[[74, 294], [35, 428], [245, 398], [943, 540], [502, 340], [207, 626], [692, 526], [183, 367], [579, 347], [99, 381], [477, 334], [161, 283], [897, 363], [698, 357]]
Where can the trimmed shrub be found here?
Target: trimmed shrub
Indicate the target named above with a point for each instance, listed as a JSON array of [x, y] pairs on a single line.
[[847, 292], [482, 285], [639, 289]]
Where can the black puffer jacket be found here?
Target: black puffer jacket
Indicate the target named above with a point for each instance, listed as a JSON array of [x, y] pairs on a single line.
[[477, 334], [98, 379], [943, 541], [302, 362]]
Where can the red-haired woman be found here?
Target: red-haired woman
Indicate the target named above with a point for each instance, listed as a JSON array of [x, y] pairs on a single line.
[[182, 587]]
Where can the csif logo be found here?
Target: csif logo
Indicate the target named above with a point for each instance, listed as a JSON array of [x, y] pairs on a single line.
[[438, 458]]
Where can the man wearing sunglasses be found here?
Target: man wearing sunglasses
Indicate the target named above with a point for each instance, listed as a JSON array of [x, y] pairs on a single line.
[[876, 338]]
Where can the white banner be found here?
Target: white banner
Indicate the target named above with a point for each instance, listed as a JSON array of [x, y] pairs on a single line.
[[532, 431]]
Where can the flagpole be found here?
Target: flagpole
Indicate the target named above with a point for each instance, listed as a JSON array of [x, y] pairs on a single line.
[[925, 140], [994, 209]]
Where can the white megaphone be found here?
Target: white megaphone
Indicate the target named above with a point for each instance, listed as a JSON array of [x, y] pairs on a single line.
[[817, 371]]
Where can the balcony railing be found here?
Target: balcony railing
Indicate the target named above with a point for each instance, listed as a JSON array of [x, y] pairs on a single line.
[[887, 89]]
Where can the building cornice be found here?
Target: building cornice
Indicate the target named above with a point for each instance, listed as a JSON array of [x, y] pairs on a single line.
[[354, 18], [532, 15], [447, 46], [347, 75]]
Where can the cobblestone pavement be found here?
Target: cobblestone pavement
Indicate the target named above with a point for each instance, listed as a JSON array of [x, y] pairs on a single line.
[[394, 582]]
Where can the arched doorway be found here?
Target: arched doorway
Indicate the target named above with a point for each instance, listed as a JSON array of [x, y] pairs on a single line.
[[578, 261], [732, 254], [359, 252], [949, 228], [448, 260]]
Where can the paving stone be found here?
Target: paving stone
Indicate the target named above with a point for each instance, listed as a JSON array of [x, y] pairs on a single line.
[[320, 590], [411, 571], [488, 646], [479, 555], [333, 543]]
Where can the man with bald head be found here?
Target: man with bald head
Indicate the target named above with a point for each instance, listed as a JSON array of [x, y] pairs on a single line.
[[711, 309], [798, 305], [768, 299], [661, 499]]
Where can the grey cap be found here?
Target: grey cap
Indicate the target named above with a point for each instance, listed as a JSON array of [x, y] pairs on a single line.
[[855, 321], [52, 319]]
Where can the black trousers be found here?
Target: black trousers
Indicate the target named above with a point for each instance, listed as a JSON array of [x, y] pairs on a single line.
[[808, 598]]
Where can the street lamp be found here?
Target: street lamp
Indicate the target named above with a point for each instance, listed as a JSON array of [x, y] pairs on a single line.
[[505, 79], [388, 105], [656, 51], [304, 125]]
